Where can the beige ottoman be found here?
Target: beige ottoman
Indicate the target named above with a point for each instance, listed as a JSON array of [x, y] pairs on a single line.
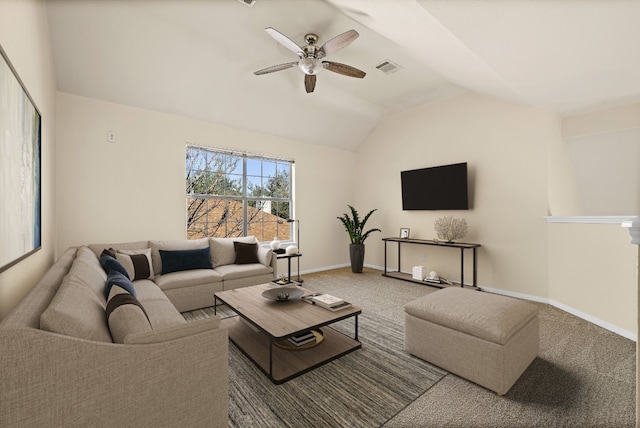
[[485, 338]]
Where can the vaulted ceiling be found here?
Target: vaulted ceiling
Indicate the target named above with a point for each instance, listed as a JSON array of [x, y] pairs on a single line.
[[196, 58]]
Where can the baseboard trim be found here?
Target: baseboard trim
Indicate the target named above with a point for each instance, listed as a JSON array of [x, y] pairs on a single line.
[[583, 315]]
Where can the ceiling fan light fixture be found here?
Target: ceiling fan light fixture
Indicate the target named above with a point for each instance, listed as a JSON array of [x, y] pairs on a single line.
[[310, 66]]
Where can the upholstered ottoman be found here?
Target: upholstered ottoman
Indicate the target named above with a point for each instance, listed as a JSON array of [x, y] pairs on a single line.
[[486, 338]]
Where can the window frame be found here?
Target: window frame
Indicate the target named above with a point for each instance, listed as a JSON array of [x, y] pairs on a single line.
[[245, 198]]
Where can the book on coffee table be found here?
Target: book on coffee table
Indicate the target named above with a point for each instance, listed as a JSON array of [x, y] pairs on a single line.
[[303, 339], [330, 302]]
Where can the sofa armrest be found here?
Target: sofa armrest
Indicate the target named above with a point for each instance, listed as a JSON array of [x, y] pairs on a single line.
[[173, 332], [265, 255], [48, 379]]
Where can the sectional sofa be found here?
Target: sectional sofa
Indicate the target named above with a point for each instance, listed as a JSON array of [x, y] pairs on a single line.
[[81, 350]]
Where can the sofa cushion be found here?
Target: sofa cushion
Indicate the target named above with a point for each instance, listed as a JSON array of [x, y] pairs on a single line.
[[162, 313], [245, 252], [243, 271], [110, 263], [127, 246], [86, 267], [115, 278], [179, 260], [223, 252], [125, 315], [187, 278], [137, 263], [148, 290], [173, 245], [77, 311]]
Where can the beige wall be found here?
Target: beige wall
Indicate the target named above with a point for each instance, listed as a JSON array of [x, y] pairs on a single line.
[[592, 270], [520, 171], [134, 189], [603, 121], [24, 36], [506, 148]]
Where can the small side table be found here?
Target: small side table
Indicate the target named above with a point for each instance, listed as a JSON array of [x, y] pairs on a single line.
[[289, 257]]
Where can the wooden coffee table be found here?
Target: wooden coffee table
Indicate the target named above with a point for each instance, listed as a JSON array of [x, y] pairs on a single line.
[[261, 323]]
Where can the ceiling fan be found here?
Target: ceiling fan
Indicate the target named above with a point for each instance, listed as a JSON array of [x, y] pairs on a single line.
[[311, 56]]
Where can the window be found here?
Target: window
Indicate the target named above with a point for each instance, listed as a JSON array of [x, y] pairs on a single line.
[[233, 194]]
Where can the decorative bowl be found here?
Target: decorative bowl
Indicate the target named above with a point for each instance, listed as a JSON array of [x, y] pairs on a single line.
[[282, 294]]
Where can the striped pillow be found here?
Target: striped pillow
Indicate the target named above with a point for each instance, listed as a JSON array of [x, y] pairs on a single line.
[[125, 315], [137, 263]]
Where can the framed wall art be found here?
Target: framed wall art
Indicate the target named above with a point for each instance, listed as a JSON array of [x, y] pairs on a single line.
[[20, 163]]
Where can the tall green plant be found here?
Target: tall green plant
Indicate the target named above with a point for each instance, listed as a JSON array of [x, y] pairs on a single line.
[[355, 227]]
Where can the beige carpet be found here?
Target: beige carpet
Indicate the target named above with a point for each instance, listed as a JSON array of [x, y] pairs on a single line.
[[584, 375]]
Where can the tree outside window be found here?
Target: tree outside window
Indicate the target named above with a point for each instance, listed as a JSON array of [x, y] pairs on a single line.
[[231, 194]]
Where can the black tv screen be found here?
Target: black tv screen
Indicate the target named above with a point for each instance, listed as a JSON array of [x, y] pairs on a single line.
[[437, 188]]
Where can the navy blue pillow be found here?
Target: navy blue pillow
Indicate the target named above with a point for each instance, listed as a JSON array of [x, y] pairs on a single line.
[[110, 263], [178, 260], [117, 278]]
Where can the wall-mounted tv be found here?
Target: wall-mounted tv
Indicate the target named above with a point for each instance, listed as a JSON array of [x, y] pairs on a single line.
[[436, 188]]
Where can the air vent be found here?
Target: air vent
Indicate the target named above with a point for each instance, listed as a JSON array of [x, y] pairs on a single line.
[[388, 67], [249, 3]]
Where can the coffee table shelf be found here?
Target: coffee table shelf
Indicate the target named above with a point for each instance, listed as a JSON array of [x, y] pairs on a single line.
[[287, 364]]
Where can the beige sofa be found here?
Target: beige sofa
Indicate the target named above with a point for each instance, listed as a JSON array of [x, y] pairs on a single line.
[[193, 289], [59, 365]]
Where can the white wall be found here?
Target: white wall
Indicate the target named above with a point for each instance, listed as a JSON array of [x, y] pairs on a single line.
[[134, 189], [605, 150], [24, 36]]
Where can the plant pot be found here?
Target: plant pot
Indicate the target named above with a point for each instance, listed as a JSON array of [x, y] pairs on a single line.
[[356, 252]]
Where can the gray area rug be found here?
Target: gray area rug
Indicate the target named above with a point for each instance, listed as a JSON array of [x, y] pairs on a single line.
[[362, 389], [584, 375]]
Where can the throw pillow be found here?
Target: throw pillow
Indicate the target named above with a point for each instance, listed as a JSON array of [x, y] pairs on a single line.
[[110, 263], [137, 263], [179, 260], [245, 253], [109, 251], [117, 278], [125, 315]]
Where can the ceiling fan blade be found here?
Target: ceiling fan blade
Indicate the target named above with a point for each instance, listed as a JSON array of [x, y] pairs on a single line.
[[338, 42], [309, 82], [275, 68], [345, 70], [285, 41]]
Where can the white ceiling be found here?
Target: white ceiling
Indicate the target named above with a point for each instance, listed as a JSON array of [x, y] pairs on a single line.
[[196, 58]]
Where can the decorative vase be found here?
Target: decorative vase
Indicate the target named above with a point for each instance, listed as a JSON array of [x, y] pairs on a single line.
[[275, 244], [291, 249], [356, 252]]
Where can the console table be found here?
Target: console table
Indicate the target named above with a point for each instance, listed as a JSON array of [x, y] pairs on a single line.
[[460, 245]]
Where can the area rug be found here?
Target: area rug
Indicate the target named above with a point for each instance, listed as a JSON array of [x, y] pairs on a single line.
[[362, 389]]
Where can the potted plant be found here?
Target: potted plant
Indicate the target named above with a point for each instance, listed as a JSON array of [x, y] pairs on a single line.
[[355, 229]]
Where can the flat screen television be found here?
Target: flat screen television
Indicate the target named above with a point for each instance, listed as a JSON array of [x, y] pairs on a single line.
[[436, 188]]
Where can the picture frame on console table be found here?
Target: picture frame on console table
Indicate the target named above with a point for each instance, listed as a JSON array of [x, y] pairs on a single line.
[[20, 188], [404, 233]]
